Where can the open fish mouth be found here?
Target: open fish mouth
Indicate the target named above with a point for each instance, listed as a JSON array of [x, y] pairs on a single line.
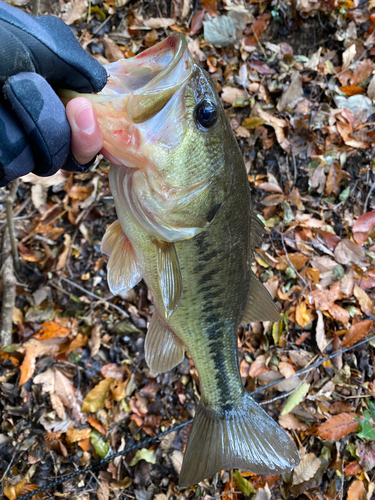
[[148, 81]]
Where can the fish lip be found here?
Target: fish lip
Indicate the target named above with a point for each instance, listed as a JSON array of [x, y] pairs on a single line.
[[177, 42]]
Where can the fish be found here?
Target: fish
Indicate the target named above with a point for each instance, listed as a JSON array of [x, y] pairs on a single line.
[[185, 226]]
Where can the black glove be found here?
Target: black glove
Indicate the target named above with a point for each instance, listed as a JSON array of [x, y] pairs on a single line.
[[37, 54]]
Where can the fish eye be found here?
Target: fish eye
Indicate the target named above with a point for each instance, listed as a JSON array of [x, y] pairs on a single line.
[[206, 114]]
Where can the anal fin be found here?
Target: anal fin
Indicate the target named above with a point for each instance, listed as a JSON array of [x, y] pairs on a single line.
[[163, 349], [260, 305], [170, 277], [124, 271]]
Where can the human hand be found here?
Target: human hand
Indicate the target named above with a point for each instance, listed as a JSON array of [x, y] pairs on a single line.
[[41, 53]]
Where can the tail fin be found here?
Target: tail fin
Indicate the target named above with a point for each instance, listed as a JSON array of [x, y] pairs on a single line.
[[245, 437]]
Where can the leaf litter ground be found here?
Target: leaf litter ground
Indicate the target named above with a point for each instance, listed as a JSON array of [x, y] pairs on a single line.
[[297, 81]]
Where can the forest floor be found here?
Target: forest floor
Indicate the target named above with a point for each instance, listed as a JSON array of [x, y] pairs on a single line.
[[297, 80]]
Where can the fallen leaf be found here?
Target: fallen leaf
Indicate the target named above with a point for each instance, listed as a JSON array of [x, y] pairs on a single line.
[[159, 22], [12, 491], [350, 90], [62, 258], [101, 447], [112, 52], [337, 427], [365, 222], [292, 94], [356, 333], [291, 422], [28, 366], [75, 11], [220, 31], [352, 469], [245, 486], [334, 177], [143, 454], [348, 56], [364, 301], [232, 94], [362, 71], [356, 490], [257, 28], [304, 316], [96, 397], [286, 369], [197, 22], [47, 379], [95, 340], [320, 335], [348, 252], [57, 405], [278, 125], [306, 469], [297, 260], [295, 398], [73, 435]]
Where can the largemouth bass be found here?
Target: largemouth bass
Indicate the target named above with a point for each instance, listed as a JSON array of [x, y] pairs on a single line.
[[185, 226]]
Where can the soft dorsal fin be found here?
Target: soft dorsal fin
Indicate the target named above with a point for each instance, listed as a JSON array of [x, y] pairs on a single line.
[[124, 271], [170, 277], [163, 349], [260, 305], [257, 231]]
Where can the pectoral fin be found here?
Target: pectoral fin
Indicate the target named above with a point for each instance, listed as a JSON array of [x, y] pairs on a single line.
[[163, 350], [124, 271], [170, 277], [260, 305]]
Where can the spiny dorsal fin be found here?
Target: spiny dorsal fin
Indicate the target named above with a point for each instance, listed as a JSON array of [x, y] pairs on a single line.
[[124, 271], [260, 305], [163, 350], [170, 277]]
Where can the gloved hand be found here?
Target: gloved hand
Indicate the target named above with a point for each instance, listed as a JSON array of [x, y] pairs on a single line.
[[37, 55]]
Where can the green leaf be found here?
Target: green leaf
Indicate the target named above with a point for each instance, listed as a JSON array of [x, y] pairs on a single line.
[[367, 431], [144, 454], [372, 409], [344, 195], [295, 398], [101, 447], [244, 485]]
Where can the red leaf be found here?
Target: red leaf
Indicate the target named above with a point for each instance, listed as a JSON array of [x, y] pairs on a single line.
[[196, 22], [337, 427], [365, 223], [257, 28], [356, 333]]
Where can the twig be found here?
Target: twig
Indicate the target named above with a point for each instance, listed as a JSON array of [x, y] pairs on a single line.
[[9, 211], [9, 301], [368, 197], [35, 7], [96, 297]]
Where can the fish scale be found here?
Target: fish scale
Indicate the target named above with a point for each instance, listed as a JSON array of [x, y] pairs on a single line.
[[185, 226]]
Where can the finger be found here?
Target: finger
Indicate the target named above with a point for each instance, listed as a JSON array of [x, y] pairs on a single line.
[[86, 138]]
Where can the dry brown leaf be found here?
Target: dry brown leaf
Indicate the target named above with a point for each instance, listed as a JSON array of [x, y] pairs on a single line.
[[348, 56], [51, 330], [278, 125], [57, 405], [95, 340], [337, 427], [324, 299], [356, 333], [28, 366], [339, 313], [286, 369], [73, 435], [306, 469], [112, 51], [304, 316], [270, 187], [298, 261], [64, 390], [231, 94], [62, 258], [12, 491], [75, 11], [159, 22], [292, 94], [356, 490], [47, 379], [362, 71], [320, 335], [289, 421], [371, 88], [348, 252], [334, 177], [352, 90], [364, 301]]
